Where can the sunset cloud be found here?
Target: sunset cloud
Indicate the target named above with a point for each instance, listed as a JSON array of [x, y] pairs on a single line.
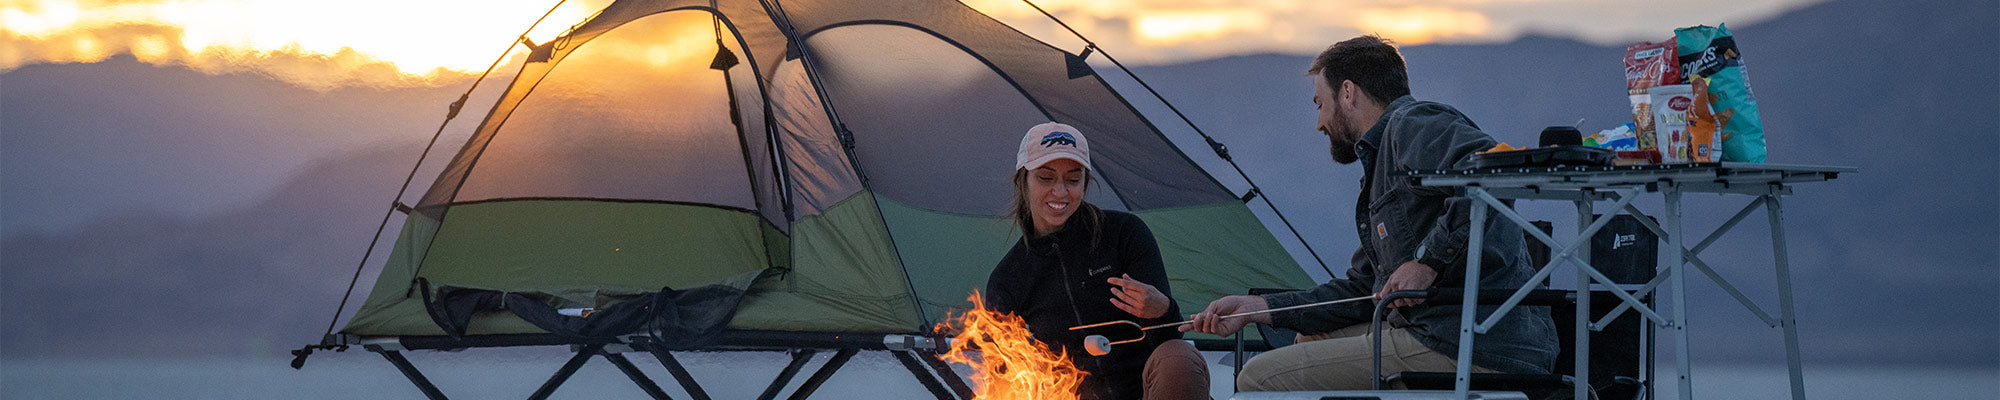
[[1160, 31], [1422, 24], [1176, 27], [318, 45], [324, 45]]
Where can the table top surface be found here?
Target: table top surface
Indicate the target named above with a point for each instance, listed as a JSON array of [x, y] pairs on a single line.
[[1594, 176]]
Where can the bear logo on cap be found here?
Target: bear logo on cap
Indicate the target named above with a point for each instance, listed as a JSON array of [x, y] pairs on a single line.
[[1058, 138]]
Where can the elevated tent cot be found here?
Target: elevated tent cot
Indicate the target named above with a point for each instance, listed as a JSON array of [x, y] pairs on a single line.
[[844, 163]]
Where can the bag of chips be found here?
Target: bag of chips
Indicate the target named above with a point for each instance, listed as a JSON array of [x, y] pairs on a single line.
[[1647, 65], [1710, 52], [1704, 126], [1670, 121], [1651, 64]]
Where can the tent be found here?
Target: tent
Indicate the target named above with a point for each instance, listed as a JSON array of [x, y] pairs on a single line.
[[844, 163]]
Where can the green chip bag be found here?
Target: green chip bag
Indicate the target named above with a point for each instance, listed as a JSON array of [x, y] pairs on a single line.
[[1710, 52]]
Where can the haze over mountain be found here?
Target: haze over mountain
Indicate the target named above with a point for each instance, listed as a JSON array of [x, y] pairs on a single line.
[[150, 211], [86, 141], [1908, 93]]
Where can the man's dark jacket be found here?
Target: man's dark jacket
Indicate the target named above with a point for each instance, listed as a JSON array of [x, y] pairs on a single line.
[[1399, 221]]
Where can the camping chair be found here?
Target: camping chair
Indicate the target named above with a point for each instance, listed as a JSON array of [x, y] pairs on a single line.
[[1614, 373]]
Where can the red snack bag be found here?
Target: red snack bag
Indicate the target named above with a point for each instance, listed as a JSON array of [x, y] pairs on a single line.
[[1648, 65], [1651, 64]]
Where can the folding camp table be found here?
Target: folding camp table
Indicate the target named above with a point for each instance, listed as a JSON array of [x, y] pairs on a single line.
[[1584, 186]]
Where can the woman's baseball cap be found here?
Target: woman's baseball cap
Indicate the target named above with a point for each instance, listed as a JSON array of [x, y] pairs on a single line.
[[1050, 141]]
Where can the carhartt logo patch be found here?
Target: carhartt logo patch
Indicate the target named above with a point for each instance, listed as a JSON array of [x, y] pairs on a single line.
[[1381, 231]]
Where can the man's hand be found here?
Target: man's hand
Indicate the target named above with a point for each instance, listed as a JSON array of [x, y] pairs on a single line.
[[1412, 275], [1138, 298], [1209, 321]]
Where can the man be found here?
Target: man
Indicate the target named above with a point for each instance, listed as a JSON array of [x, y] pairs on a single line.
[[1412, 237]]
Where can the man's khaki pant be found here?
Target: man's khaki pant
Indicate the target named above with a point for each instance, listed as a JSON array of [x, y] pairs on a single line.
[[1340, 360]]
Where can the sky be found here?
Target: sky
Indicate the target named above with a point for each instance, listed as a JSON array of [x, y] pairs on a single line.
[[401, 43], [1866, 278]]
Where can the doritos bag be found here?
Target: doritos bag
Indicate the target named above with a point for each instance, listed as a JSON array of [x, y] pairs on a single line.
[[1710, 52]]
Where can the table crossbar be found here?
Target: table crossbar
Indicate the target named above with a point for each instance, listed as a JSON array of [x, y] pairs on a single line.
[[1568, 253], [1623, 184]]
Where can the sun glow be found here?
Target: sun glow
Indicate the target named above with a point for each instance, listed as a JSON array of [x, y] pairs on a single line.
[[365, 42], [1414, 25], [1165, 28]]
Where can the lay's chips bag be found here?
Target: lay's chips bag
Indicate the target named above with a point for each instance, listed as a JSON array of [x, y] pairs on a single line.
[[1711, 53]]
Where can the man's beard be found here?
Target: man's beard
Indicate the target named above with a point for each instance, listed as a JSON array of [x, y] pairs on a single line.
[[1343, 152], [1341, 148]]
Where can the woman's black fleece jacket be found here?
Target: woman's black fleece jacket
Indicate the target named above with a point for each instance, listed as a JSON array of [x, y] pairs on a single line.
[[1058, 281]]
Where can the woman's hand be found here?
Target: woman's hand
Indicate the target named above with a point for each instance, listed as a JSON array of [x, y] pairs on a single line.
[[1138, 298]]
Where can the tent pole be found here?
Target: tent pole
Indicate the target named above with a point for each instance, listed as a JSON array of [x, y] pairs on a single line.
[[637, 376], [1220, 150], [563, 374], [923, 376], [397, 205], [825, 372], [808, 62], [799, 359], [410, 371]]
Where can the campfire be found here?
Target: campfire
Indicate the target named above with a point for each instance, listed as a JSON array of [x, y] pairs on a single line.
[[1010, 365]]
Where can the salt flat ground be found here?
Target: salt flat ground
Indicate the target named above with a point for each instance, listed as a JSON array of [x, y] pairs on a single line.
[[474, 375]]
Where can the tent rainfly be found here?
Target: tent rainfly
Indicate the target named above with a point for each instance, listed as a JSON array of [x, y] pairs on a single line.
[[842, 165]]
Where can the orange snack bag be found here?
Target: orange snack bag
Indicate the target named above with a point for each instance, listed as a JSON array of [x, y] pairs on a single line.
[[1704, 125]]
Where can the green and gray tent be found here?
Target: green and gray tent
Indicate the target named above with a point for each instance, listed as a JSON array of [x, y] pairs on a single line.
[[860, 151]]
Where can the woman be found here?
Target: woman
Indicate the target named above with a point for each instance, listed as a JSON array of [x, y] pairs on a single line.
[[1077, 264]]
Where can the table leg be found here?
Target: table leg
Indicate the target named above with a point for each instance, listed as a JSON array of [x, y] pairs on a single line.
[[1790, 325], [1584, 216], [1677, 264], [1474, 248]]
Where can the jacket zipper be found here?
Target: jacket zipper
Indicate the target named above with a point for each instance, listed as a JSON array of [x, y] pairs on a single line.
[[1064, 267], [1071, 293]]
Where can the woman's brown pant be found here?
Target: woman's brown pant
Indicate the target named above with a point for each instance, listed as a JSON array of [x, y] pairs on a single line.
[[1176, 371]]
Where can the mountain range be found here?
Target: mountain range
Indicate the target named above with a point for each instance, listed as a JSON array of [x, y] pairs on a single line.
[[150, 211]]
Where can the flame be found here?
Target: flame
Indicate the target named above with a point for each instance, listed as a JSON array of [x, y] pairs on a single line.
[[318, 45], [1011, 365]]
